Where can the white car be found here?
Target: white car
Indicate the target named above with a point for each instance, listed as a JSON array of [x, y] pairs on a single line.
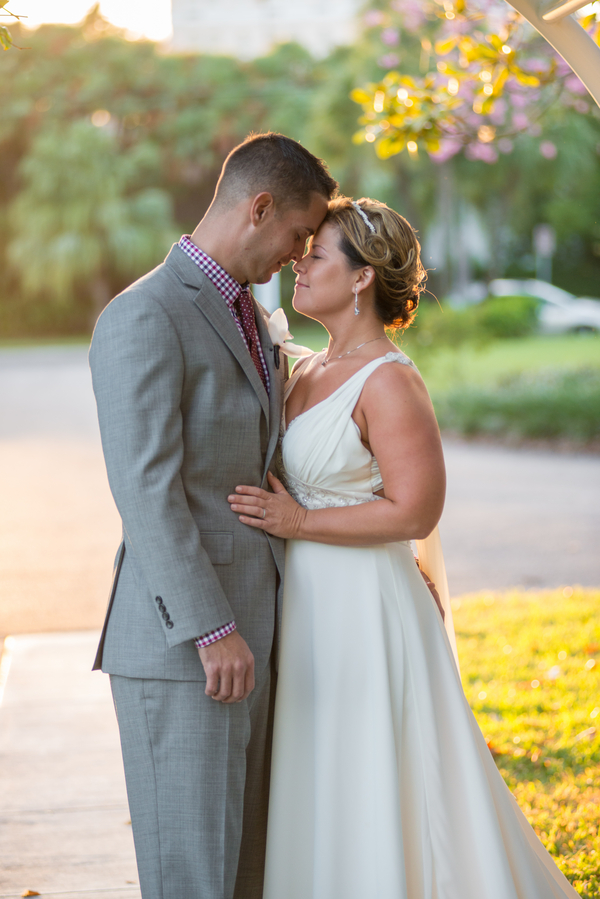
[[559, 310]]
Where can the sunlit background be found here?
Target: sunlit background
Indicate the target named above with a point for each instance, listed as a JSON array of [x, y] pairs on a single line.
[[113, 129], [151, 18], [116, 120]]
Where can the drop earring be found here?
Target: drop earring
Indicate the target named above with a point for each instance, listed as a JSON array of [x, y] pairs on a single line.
[[356, 309]]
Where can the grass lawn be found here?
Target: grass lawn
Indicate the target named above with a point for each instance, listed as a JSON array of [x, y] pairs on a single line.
[[483, 364], [491, 362], [20, 343], [530, 665]]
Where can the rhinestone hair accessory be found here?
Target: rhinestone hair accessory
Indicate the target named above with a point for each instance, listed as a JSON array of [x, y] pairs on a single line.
[[364, 217]]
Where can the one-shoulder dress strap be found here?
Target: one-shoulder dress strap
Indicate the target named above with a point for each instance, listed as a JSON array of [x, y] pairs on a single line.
[[359, 377], [346, 396], [400, 357]]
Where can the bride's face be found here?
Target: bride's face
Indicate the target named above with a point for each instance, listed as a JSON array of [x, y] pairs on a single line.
[[324, 278]]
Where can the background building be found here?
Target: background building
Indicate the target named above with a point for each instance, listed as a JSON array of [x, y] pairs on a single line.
[[249, 28]]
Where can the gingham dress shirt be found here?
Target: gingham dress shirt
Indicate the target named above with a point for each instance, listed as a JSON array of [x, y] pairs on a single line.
[[229, 289]]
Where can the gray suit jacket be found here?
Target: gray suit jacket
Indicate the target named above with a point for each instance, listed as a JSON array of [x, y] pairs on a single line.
[[184, 418]]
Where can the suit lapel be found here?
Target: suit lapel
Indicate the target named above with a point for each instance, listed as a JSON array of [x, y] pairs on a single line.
[[214, 308], [212, 305], [276, 377]]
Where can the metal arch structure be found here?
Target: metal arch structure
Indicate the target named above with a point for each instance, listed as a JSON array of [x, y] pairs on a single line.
[[555, 23]]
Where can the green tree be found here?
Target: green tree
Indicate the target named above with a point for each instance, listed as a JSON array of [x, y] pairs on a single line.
[[82, 214], [165, 123]]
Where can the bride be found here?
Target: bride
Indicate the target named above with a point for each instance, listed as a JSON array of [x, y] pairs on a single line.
[[382, 786]]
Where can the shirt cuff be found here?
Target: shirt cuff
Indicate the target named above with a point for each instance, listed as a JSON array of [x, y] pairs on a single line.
[[213, 636]]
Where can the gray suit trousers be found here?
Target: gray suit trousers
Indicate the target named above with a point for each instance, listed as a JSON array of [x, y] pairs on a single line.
[[203, 767]]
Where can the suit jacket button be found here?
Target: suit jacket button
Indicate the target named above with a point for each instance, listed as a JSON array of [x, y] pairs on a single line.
[[169, 624], [166, 616], [161, 607], [158, 599]]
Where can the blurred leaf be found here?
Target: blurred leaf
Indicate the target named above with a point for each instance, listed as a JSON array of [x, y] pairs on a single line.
[[359, 95], [445, 46], [390, 146], [500, 81], [524, 78], [432, 145], [5, 38], [495, 41]]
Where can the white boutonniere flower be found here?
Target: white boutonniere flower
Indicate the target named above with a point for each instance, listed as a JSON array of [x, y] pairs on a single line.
[[279, 334]]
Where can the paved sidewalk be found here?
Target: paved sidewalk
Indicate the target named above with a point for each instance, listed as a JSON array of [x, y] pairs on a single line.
[[520, 517], [64, 821]]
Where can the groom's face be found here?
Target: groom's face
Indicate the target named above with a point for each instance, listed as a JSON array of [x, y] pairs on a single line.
[[282, 237]]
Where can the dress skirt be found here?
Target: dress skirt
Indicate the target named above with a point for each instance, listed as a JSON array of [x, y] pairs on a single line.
[[382, 784]]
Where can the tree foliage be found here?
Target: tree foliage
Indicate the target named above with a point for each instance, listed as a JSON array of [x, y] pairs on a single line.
[[109, 149], [83, 210], [105, 143]]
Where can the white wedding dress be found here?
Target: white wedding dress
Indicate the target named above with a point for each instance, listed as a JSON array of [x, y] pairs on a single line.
[[382, 786]]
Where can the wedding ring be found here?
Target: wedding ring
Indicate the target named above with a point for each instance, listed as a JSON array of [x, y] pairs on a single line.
[[264, 513]]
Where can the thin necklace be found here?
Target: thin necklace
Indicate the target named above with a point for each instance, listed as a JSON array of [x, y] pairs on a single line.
[[353, 350]]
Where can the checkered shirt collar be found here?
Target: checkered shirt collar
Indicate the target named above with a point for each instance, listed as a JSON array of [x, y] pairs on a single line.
[[227, 286]]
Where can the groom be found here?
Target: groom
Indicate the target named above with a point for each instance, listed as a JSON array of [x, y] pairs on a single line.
[[189, 402]]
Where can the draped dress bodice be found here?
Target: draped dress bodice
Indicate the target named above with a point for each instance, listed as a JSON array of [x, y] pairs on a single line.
[[324, 460]]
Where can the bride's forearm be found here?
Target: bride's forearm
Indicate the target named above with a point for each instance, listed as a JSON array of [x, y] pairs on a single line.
[[383, 520], [367, 524]]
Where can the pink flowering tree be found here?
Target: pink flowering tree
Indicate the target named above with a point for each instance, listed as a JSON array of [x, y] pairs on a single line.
[[462, 76]]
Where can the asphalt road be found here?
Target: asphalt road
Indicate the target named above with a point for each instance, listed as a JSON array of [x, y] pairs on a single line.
[[512, 517]]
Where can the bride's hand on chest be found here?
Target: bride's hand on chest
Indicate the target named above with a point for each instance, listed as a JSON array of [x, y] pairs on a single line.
[[277, 512]]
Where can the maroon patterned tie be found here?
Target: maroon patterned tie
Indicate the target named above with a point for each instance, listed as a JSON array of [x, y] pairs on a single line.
[[246, 313]]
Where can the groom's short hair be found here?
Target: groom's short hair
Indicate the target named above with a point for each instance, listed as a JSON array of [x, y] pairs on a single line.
[[277, 164]]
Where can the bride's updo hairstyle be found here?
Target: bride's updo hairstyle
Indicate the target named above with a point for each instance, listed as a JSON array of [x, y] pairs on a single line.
[[391, 249]]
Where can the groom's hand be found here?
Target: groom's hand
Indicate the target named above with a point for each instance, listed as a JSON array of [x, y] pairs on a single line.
[[229, 667]]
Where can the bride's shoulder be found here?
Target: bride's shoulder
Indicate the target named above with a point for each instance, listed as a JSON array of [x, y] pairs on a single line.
[[400, 375], [395, 396]]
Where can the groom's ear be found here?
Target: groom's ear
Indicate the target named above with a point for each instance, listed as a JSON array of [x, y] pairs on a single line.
[[262, 208]]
